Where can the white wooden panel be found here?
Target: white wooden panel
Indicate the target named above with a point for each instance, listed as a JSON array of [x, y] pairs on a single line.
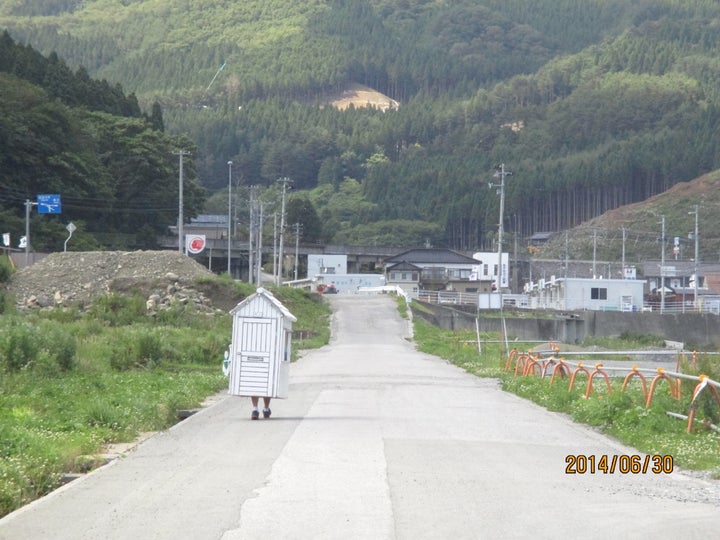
[[259, 350], [254, 362], [260, 308], [282, 378]]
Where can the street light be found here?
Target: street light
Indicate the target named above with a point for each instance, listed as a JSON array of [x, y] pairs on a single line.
[[501, 173], [229, 223]]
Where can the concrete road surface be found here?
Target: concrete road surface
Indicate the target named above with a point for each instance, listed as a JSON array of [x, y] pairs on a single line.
[[376, 441]]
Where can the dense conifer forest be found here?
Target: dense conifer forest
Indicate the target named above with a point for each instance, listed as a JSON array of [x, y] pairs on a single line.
[[592, 104], [86, 140]]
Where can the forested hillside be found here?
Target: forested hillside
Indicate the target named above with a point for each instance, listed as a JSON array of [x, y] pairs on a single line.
[[65, 133], [592, 104]]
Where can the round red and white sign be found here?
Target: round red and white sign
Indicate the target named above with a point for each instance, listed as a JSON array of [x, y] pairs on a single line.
[[195, 243]]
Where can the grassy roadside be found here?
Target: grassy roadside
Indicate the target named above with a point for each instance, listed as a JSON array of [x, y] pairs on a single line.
[[621, 415], [71, 383]]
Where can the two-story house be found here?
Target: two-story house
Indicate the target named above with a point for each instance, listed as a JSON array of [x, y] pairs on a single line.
[[434, 269]]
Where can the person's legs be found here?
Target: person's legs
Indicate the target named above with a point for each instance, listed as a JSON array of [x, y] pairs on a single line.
[[255, 412], [266, 411]]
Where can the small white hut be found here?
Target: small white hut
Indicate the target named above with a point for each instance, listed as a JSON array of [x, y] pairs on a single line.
[[260, 349]]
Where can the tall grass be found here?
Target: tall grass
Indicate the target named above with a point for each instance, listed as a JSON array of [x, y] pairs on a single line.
[[72, 382]]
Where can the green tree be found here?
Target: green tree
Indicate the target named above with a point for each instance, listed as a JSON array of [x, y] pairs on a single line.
[[301, 210]]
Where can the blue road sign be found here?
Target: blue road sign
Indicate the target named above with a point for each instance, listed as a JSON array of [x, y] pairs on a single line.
[[49, 204]]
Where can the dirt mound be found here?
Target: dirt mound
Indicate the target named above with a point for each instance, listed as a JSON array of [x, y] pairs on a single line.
[[360, 97], [80, 277]]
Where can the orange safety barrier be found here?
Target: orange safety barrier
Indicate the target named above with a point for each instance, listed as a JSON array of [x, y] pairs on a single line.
[[580, 368], [597, 371], [528, 363], [552, 361], [531, 365], [591, 376], [561, 368], [674, 388], [512, 355], [702, 385], [636, 373], [522, 361], [694, 361]]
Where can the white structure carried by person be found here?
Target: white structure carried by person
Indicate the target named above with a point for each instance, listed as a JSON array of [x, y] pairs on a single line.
[[258, 360]]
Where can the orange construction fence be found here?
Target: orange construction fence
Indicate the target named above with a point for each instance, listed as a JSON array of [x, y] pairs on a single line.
[[531, 364]]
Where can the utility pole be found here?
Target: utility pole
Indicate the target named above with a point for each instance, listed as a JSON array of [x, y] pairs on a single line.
[[623, 252], [594, 252], [515, 284], [251, 234], [284, 181], [662, 269], [697, 254], [28, 204], [297, 248], [229, 223], [181, 219], [500, 172], [258, 244], [275, 246]]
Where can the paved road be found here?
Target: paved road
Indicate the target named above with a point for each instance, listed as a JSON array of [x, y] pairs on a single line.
[[376, 441]]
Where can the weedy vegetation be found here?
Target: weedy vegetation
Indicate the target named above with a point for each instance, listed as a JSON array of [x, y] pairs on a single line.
[[73, 382]]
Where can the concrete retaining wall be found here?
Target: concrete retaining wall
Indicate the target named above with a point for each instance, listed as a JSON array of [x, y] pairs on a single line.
[[695, 330]]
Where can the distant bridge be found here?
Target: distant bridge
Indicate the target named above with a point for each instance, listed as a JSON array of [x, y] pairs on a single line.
[[215, 254]]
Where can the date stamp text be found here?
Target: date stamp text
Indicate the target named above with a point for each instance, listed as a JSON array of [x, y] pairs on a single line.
[[618, 464]]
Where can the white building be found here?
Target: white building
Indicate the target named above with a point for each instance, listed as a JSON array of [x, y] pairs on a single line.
[[432, 269], [587, 294], [348, 283], [487, 269], [326, 264]]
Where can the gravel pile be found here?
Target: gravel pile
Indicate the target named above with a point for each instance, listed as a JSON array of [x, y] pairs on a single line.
[[78, 278]]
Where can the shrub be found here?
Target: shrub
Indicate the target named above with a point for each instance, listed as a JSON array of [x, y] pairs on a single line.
[[138, 348], [118, 310], [149, 348], [122, 358], [57, 344], [18, 347], [207, 351], [6, 302], [64, 349], [6, 269]]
